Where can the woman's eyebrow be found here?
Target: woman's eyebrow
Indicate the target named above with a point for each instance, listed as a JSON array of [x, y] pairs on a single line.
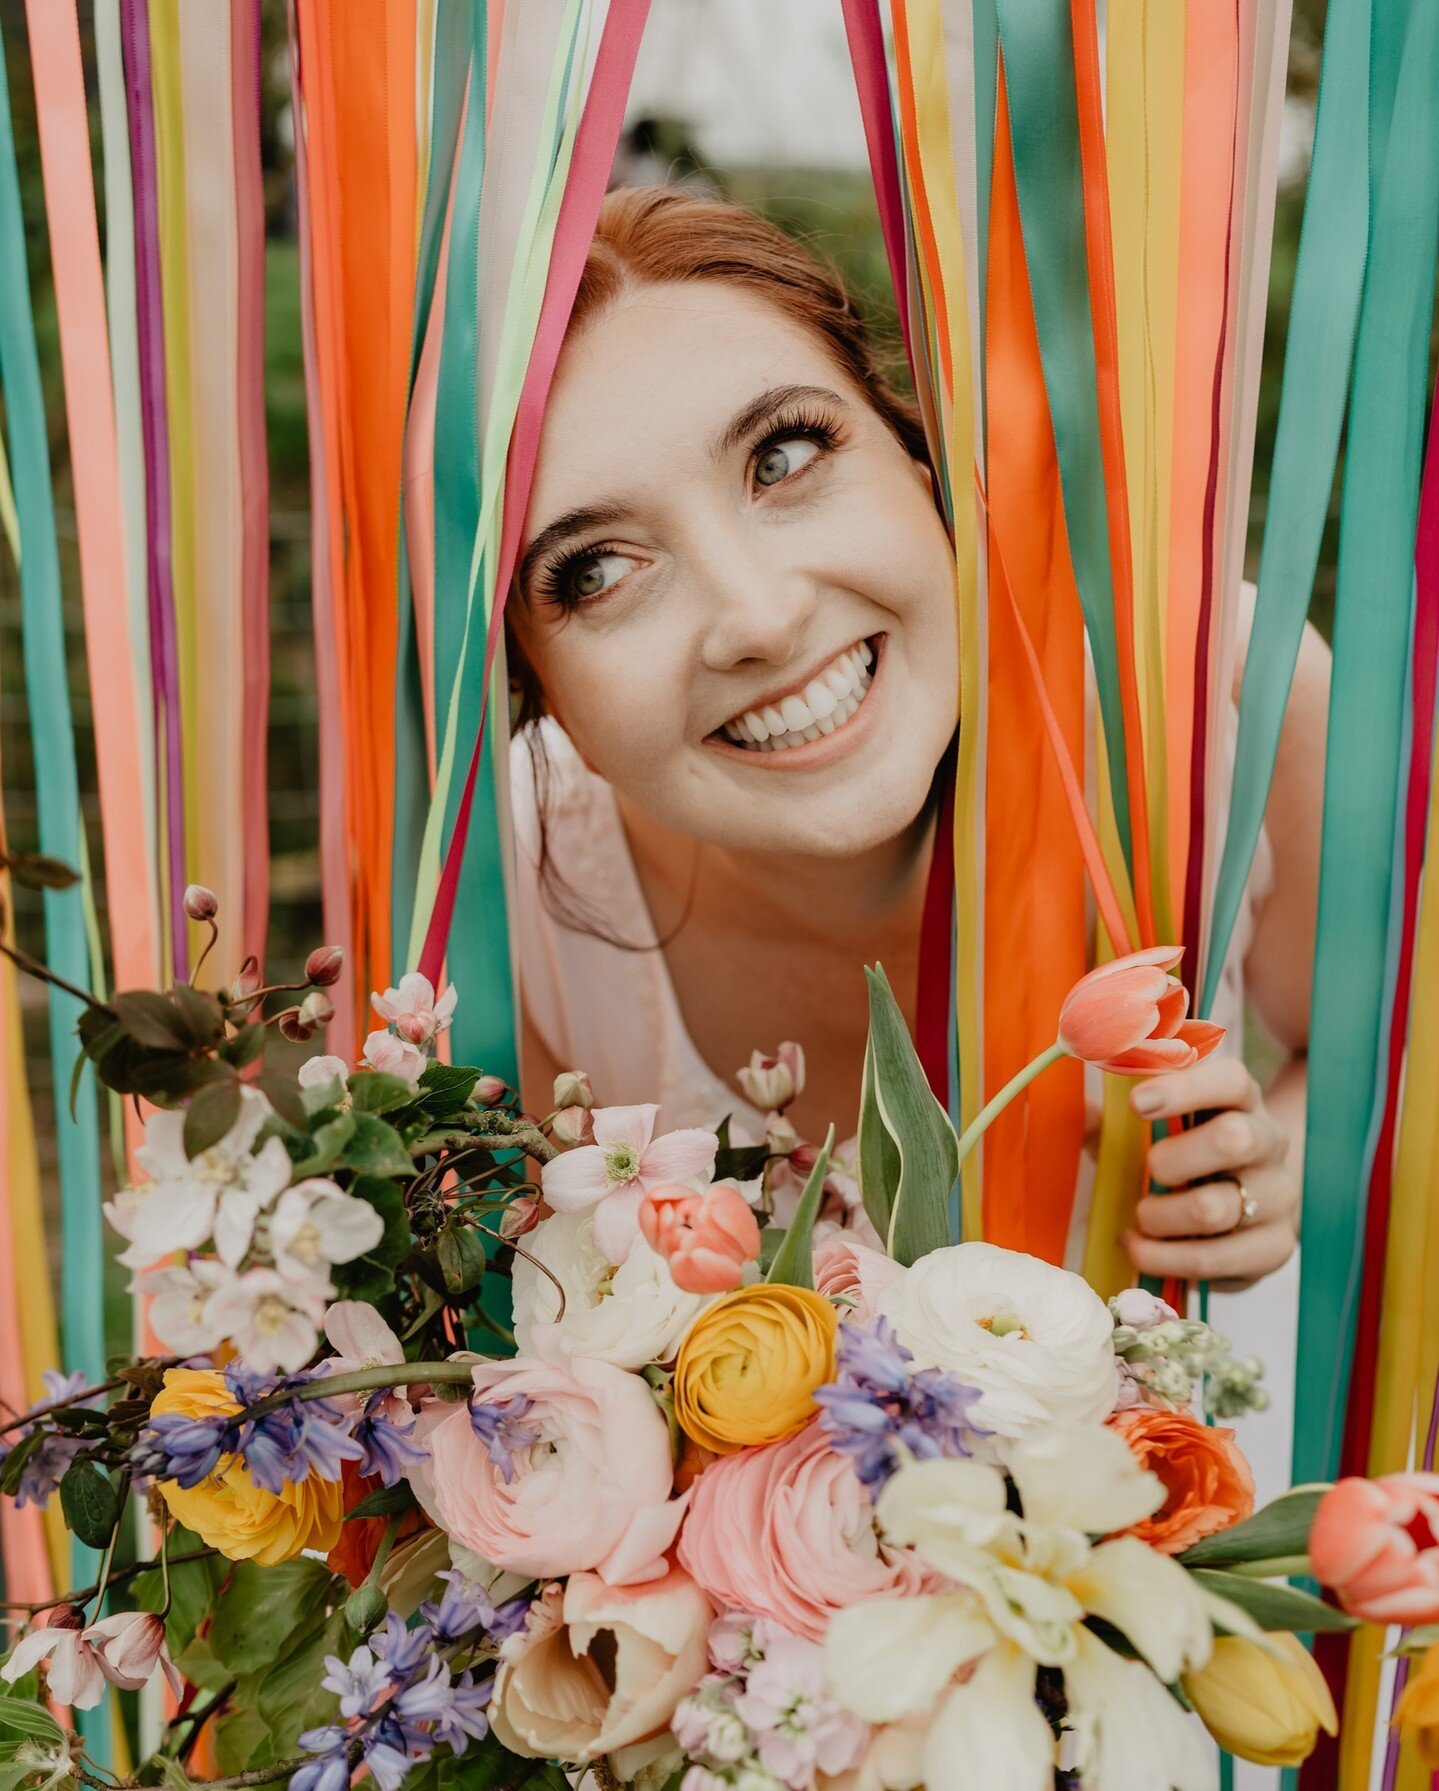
[[760, 409], [572, 522]]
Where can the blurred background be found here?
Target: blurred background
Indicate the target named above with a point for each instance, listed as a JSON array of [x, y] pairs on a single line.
[[749, 98]]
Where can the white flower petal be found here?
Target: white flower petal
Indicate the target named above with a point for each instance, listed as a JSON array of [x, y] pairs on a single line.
[[1083, 1476], [1150, 1600], [1132, 1735], [989, 1731], [889, 1658], [358, 1333], [679, 1155], [632, 1127], [574, 1181], [961, 1501], [348, 1226]]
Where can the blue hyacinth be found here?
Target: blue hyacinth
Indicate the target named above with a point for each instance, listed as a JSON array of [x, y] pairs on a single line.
[[880, 1406]]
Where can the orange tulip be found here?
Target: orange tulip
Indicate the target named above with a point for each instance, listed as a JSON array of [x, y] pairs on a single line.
[[1128, 1017], [707, 1239]]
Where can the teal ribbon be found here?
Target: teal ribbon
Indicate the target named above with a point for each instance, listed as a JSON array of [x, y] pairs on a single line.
[[1373, 619], [1319, 352], [58, 796], [1035, 36]]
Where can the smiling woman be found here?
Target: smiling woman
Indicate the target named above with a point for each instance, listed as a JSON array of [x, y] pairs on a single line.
[[735, 643]]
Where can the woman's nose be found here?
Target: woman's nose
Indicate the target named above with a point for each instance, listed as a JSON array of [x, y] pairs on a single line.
[[756, 608]]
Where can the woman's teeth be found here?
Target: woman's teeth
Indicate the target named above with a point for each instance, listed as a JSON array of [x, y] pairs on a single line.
[[826, 703]]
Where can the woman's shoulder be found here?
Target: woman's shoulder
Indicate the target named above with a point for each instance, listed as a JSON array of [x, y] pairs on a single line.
[[553, 794]]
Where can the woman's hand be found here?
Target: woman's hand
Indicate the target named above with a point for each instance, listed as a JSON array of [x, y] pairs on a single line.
[[1200, 1232]]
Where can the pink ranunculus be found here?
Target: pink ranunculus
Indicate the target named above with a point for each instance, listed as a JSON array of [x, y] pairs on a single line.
[[1128, 1017], [787, 1531], [612, 1175], [845, 1269], [707, 1239], [592, 1493], [1375, 1543], [554, 1698]]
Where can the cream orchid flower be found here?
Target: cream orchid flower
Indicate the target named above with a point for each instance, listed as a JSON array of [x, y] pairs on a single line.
[[1026, 1583]]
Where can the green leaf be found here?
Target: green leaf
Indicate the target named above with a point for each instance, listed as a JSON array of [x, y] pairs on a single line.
[[90, 1502], [241, 1740], [369, 1277], [245, 1046], [291, 1697], [198, 1664], [172, 1773], [371, 1091], [1281, 1528], [376, 1149], [152, 1019], [461, 1252], [210, 1115], [793, 1264], [1274, 1605], [923, 1138], [384, 1501], [327, 1146], [200, 1012], [445, 1087], [256, 1615], [878, 1159], [14, 1465], [283, 1094], [19, 1716], [34, 870]]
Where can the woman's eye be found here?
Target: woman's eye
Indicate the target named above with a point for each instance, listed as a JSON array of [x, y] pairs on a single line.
[[784, 459], [593, 575]]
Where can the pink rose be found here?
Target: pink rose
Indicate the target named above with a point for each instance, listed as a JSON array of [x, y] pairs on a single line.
[[593, 1491], [1376, 1544], [845, 1268], [555, 1699], [788, 1532]]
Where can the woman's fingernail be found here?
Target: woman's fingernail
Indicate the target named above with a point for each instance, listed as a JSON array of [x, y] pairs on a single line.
[[1147, 1100]]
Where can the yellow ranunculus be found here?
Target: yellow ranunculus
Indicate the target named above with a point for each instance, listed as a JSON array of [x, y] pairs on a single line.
[[1418, 1712], [749, 1365], [229, 1511], [1264, 1707]]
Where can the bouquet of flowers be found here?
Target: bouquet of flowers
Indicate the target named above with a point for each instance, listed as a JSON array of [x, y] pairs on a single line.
[[488, 1445]]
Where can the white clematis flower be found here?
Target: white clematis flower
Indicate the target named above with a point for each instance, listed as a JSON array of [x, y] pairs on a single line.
[[179, 1310], [273, 1322], [1026, 1584], [189, 1200], [630, 1315], [1036, 1340], [316, 1223]]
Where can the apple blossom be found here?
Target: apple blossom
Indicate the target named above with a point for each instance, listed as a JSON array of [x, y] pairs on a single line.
[[413, 1008]]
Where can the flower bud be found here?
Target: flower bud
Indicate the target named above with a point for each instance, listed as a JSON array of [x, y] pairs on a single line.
[[415, 1029], [572, 1089], [324, 965], [366, 1608], [200, 903], [571, 1126], [489, 1091], [317, 1009], [295, 1027], [247, 982], [520, 1216], [65, 1616], [771, 1083], [1264, 1703]]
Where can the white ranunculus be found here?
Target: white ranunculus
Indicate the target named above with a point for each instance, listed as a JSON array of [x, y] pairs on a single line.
[[628, 1315], [1034, 1339]]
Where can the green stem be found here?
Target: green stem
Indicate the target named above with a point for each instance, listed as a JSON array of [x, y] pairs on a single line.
[[365, 1380], [992, 1109], [1277, 1567], [382, 1553]]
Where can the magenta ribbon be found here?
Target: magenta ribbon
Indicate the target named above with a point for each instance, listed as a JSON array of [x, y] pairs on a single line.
[[871, 74]]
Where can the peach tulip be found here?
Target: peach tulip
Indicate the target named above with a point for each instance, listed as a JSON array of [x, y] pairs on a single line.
[[1128, 1017], [707, 1239], [1375, 1543]]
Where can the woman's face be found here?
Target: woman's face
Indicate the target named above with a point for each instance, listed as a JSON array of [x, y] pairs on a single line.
[[735, 589]]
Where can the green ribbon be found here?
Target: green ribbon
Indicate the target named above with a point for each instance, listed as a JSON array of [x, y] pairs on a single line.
[[1323, 318], [1373, 619], [1036, 38], [58, 798], [453, 38]]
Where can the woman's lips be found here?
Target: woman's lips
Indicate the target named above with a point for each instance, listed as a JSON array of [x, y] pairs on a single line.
[[843, 738]]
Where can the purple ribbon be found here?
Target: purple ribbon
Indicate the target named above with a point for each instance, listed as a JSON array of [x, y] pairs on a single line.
[[160, 583]]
